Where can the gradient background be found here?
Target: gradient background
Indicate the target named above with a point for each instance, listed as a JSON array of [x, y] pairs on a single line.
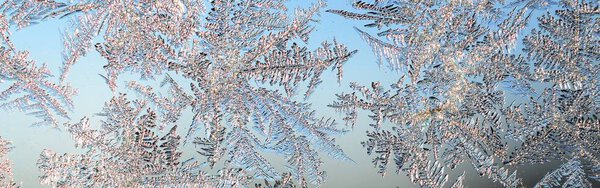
[[45, 46]]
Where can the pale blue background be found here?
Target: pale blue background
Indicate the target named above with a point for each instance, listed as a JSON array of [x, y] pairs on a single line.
[[44, 43]]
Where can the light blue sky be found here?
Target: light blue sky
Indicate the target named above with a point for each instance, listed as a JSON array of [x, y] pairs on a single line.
[[44, 43]]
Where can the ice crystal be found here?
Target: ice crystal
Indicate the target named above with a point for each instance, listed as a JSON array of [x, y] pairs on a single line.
[[470, 91], [139, 36], [127, 150], [243, 43], [562, 122], [5, 165], [459, 70], [572, 170], [237, 56], [28, 86], [24, 13]]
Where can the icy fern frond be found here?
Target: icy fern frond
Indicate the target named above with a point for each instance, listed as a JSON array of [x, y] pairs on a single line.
[[565, 47], [411, 30], [485, 166], [5, 165], [380, 15], [536, 4], [459, 181], [235, 120], [127, 150], [303, 161], [289, 67], [140, 37], [456, 68], [242, 152], [569, 174], [543, 125], [257, 44], [78, 43], [430, 174], [154, 35], [550, 130], [285, 182], [170, 107], [564, 116], [286, 127], [29, 88], [387, 146], [241, 43], [454, 101], [124, 151], [265, 121], [237, 44], [24, 13]]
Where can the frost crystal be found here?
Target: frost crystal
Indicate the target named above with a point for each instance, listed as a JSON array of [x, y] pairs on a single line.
[[28, 86], [470, 91], [243, 43], [458, 96], [562, 122], [237, 58], [573, 173], [5, 166], [127, 150]]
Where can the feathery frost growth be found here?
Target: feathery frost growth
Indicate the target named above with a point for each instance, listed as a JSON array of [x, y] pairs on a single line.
[[25, 85], [470, 90], [561, 123], [465, 92], [573, 173], [237, 56], [127, 150], [5, 165]]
